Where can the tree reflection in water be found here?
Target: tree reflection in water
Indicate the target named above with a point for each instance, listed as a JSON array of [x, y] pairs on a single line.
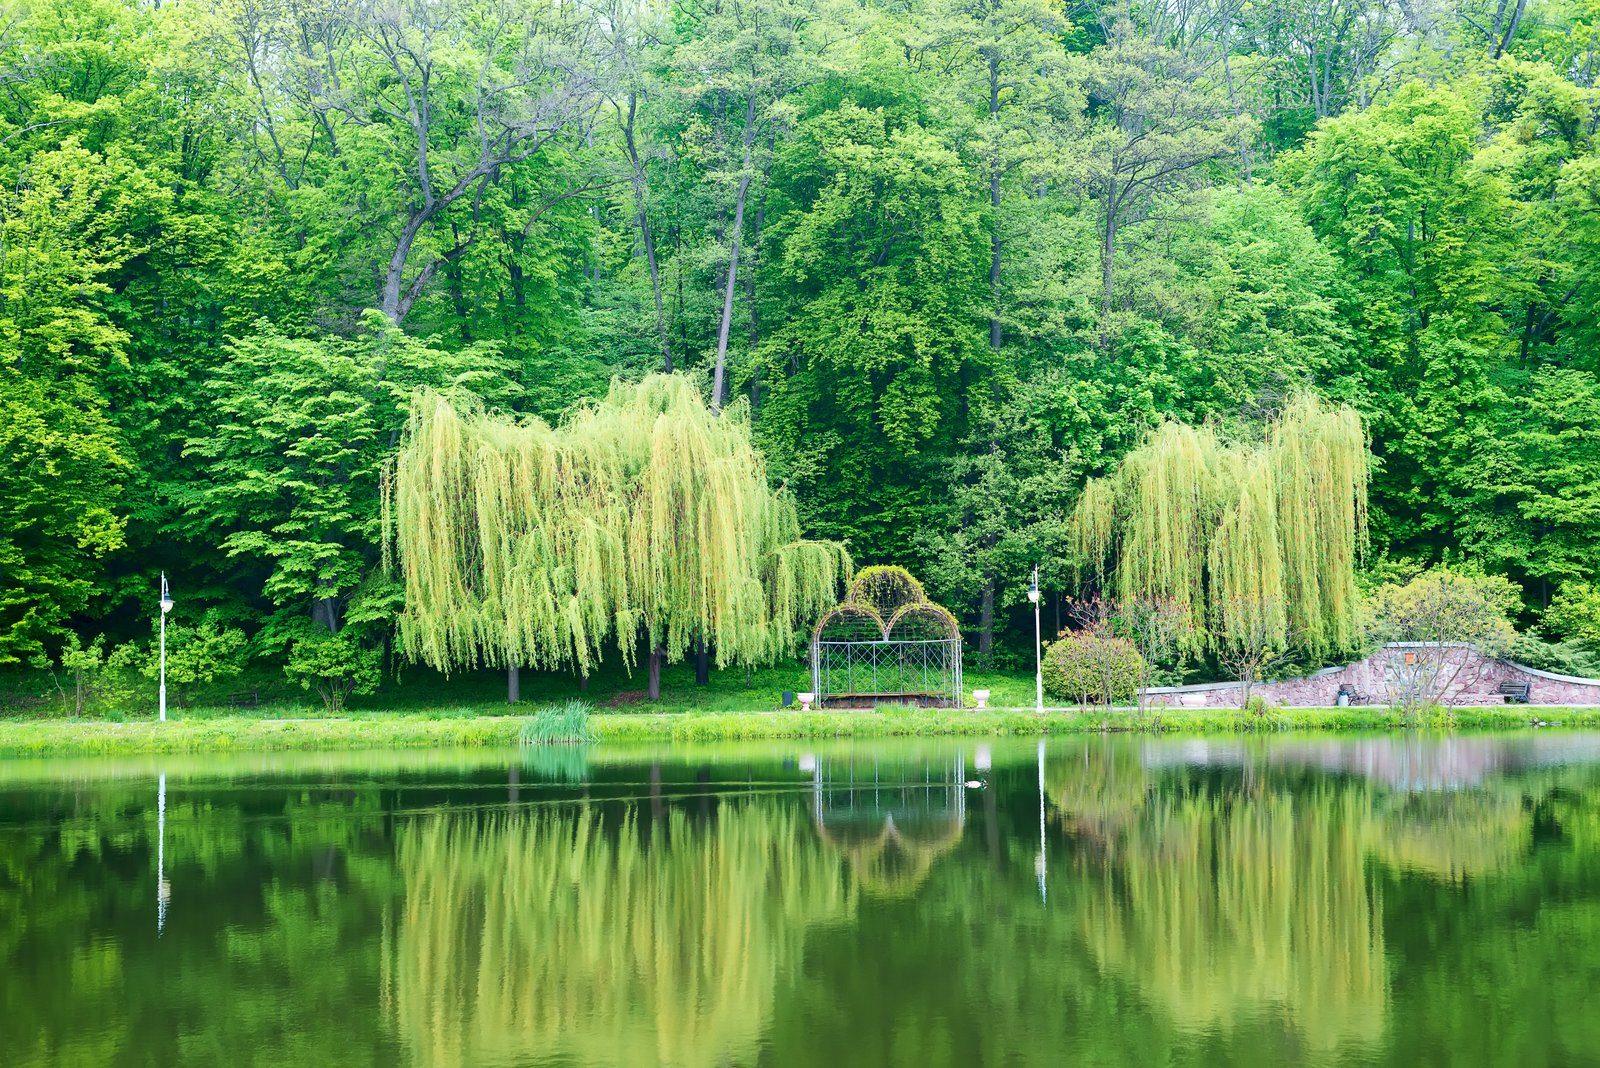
[[1217, 900], [546, 932]]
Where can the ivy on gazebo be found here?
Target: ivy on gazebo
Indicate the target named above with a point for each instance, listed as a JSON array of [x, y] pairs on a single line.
[[886, 640]]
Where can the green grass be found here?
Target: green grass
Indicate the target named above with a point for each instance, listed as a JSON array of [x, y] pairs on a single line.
[[428, 711], [441, 729]]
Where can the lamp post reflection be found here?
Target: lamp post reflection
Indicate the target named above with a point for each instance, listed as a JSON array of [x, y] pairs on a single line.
[[163, 888], [1039, 861]]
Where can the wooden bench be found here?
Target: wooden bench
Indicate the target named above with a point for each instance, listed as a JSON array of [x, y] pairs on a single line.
[[244, 699], [1515, 692], [854, 699]]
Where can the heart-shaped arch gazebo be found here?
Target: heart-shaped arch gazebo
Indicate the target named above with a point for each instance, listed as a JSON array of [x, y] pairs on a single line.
[[886, 642]]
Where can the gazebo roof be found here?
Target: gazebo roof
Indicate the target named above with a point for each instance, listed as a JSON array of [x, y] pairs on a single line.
[[886, 603]]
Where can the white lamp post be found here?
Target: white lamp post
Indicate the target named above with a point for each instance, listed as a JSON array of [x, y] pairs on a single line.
[[166, 606], [1038, 648]]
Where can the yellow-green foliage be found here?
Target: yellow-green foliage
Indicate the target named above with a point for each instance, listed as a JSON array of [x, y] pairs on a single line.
[[1258, 538], [549, 930], [1222, 906], [890, 600], [644, 516]]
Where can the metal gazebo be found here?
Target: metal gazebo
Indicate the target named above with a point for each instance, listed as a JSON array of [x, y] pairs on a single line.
[[886, 642]]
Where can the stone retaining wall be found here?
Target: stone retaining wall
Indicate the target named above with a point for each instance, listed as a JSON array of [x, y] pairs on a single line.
[[1467, 678]]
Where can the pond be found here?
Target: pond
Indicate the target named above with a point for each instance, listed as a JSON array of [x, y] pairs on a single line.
[[1394, 900]]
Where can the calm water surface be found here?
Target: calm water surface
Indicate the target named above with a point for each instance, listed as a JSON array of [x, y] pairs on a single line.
[[1384, 901]]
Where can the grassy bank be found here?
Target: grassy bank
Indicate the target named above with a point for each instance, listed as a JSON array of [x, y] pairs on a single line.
[[465, 728]]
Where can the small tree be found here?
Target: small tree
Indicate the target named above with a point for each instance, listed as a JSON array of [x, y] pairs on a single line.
[[1249, 645], [1159, 629], [81, 664], [1443, 614], [336, 665]]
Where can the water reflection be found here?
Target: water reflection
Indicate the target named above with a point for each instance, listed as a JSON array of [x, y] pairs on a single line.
[[1114, 901], [549, 931], [1225, 899], [891, 818], [163, 888]]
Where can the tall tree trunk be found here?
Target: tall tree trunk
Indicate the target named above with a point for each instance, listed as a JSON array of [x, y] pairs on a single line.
[[1511, 30], [513, 684], [1311, 74], [996, 333], [752, 308], [1233, 105], [1108, 248], [702, 663], [646, 237], [994, 202], [719, 375], [657, 655], [986, 625], [325, 609], [1498, 24], [394, 305]]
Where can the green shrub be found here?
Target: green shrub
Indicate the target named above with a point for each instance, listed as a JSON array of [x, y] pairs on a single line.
[[203, 653], [1091, 665], [101, 676], [1563, 658]]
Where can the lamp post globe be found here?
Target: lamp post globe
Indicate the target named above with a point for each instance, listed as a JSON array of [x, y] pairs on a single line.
[[166, 606]]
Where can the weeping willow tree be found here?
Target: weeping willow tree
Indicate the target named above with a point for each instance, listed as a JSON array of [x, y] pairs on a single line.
[[644, 517], [1253, 541]]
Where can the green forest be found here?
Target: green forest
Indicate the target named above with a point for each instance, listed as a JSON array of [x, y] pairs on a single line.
[[951, 261]]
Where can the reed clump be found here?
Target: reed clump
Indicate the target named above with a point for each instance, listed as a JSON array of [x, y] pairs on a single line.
[[562, 723]]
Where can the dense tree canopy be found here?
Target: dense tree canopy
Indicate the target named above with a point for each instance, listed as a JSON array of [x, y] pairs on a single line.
[[956, 259]]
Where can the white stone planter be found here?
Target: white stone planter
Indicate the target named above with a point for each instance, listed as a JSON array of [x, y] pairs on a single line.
[[982, 697], [806, 700]]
